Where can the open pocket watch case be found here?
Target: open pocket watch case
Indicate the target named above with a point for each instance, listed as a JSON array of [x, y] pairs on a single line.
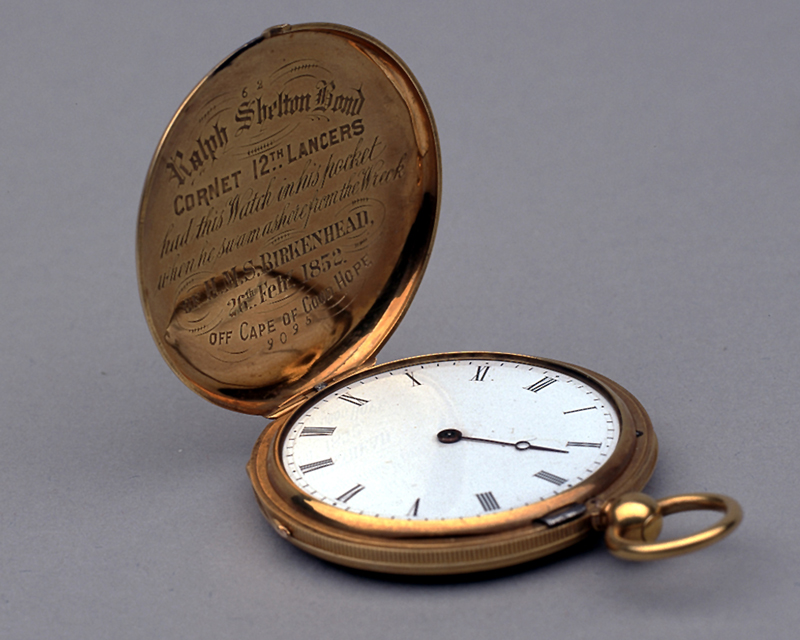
[[286, 221]]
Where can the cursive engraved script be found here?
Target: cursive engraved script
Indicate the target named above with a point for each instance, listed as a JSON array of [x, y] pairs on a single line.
[[279, 204]]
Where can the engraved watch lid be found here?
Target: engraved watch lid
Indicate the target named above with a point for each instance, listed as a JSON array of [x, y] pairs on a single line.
[[287, 216]]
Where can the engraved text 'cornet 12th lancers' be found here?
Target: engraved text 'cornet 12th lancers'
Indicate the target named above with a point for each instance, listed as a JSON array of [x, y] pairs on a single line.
[[286, 221]]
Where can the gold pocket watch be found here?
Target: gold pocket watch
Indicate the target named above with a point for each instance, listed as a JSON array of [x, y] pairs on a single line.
[[286, 221]]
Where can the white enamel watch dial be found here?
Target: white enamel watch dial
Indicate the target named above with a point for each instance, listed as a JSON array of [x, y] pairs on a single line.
[[450, 438]]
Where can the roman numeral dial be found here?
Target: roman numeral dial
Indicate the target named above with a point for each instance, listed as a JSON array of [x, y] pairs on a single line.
[[449, 438]]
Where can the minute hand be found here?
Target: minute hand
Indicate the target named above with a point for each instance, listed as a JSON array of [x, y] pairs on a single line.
[[522, 445]]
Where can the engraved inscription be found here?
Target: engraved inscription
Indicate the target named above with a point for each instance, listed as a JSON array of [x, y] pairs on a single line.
[[262, 109], [183, 165], [280, 201]]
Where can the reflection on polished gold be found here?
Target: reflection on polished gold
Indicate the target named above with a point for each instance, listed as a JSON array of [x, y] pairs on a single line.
[[291, 184], [634, 521]]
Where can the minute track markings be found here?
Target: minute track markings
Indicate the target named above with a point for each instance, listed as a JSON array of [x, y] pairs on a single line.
[[397, 419]]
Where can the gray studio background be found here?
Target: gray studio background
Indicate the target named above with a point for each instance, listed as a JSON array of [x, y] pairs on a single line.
[[620, 191]]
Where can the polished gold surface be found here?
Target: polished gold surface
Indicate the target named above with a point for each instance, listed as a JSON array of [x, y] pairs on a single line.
[[634, 522], [465, 544], [635, 516], [287, 216]]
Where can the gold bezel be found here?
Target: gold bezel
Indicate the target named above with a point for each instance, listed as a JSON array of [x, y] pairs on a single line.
[[451, 546]]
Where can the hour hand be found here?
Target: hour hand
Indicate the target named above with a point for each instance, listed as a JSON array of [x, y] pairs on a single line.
[[449, 436]]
